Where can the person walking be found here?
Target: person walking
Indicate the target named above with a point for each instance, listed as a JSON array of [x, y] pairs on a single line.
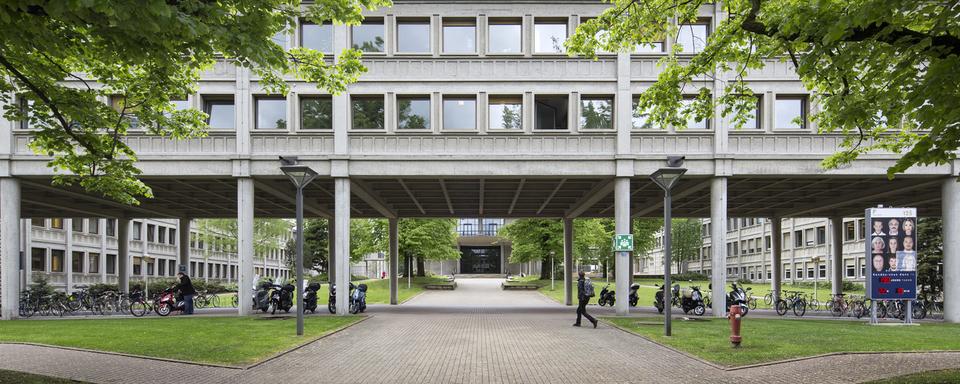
[[584, 293], [185, 286]]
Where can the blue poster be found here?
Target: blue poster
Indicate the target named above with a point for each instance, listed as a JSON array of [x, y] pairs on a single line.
[[892, 246]]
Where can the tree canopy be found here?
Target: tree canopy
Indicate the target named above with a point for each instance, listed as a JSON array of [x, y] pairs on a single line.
[[267, 233], [141, 55], [883, 72]]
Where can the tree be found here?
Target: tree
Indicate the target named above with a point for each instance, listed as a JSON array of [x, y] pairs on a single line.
[[884, 72], [316, 246], [267, 234], [535, 239], [930, 254], [686, 242], [142, 55], [428, 239]]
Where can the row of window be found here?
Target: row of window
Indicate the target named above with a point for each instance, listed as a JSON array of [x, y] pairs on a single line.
[[460, 35], [155, 233], [53, 260], [414, 112]]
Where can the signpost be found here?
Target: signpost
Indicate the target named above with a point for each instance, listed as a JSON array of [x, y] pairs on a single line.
[[892, 247], [623, 243]]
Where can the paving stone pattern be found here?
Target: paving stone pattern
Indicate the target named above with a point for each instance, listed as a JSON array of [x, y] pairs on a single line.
[[475, 334]]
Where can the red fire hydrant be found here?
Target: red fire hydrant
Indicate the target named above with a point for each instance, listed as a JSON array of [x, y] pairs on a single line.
[[734, 316]]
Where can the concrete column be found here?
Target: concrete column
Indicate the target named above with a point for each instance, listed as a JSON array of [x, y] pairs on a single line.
[[776, 265], [331, 247], [103, 251], [183, 244], [718, 220], [10, 248], [836, 267], [245, 244], [568, 269], [27, 233], [622, 219], [951, 250], [68, 253], [394, 258], [342, 240], [123, 253]]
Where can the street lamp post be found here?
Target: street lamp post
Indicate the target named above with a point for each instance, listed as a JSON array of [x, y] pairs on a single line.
[[552, 269], [666, 179], [300, 175]]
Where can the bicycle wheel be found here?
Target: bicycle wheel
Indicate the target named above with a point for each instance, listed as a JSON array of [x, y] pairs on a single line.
[[799, 308], [768, 298], [836, 309], [814, 304], [235, 301], [781, 307], [213, 301], [138, 308], [752, 303], [919, 311], [200, 301]]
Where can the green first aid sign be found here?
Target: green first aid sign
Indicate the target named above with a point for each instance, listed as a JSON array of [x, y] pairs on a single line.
[[623, 243]]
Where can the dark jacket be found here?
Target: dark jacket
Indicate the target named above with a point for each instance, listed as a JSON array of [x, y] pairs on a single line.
[[186, 286], [580, 295]]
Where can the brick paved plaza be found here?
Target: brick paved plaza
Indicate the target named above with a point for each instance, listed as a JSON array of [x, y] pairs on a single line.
[[475, 334]]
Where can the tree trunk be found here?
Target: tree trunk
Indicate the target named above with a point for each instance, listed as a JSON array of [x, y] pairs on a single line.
[[420, 267], [604, 265], [545, 268]]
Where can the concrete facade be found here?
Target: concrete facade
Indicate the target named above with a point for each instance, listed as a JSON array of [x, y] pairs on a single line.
[[551, 165]]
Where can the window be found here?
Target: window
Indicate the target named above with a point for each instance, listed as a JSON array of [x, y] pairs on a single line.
[[504, 36], [179, 104], [172, 268], [94, 226], [413, 36], [137, 228], [691, 123], [799, 272], [220, 112], [822, 270], [317, 36], [753, 121], [692, 37], [810, 274], [118, 103], [111, 264], [162, 235], [137, 268], [93, 260], [76, 224], [161, 267], [42, 223], [639, 119], [790, 112], [766, 242], [506, 112], [26, 106], [56, 260], [316, 113], [151, 229], [413, 112], [38, 259], [111, 227], [459, 112], [821, 235], [271, 113], [460, 36], [786, 273], [56, 223], [549, 36], [849, 231], [655, 47], [797, 239], [551, 111], [808, 236], [368, 37], [149, 268], [76, 263], [367, 112], [280, 38], [596, 112]]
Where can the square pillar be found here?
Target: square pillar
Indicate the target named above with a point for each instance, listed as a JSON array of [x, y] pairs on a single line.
[[568, 261], [342, 240], [68, 253], [836, 265], [394, 257], [776, 265], [622, 264], [245, 190], [183, 244], [718, 235], [331, 251], [951, 250], [10, 248], [123, 254]]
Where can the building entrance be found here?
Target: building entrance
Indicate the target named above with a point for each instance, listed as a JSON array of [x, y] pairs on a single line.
[[479, 260]]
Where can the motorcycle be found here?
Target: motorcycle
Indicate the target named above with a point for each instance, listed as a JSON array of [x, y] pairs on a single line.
[[658, 297], [332, 300], [166, 302], [634, 297], [738, 296], [261, 300], [281, 297], [310, 298], [692, 299], [607, 296], [358, 299]]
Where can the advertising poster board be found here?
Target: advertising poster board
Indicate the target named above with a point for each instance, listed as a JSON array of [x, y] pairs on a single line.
[[891, 253]]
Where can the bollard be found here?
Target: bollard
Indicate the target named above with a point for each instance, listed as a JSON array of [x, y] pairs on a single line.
[[735, 318]]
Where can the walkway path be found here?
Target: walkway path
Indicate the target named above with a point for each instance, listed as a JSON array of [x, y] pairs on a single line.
[[475, 334]]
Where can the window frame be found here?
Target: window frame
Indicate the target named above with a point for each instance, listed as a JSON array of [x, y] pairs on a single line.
[[459, 22], [500, 21], [369, 97], [443, 112], [611, 99], [707, 123], [566, 119], [256, 113], [493, 100], [304, 23], [706, 22], [415, 97], [300, 105], [383, 33], [804, 115], [549, 21], [413, 21], [209, 101]]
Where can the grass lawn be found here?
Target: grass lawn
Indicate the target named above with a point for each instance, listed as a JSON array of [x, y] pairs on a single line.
[[14, 377], [219, 340], [930, 377], [778, 339]]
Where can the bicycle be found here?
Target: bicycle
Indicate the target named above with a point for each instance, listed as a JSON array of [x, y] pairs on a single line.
[[839, 306], [794, 300]]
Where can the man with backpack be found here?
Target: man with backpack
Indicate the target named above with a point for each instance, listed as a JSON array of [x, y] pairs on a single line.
[[584, 293]]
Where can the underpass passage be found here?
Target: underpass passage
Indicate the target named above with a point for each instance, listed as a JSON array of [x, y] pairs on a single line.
[[485, 293]]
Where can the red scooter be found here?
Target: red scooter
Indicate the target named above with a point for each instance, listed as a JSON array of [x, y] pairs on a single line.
[[167, 302]]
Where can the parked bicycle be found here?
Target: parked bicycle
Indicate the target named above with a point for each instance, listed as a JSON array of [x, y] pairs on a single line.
[[794, 300]]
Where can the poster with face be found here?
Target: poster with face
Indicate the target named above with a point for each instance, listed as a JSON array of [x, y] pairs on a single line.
[[892, 246]]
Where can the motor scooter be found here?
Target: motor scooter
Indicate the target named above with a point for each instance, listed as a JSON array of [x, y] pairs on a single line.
[[358, 299], [332, 300], [310, 298], [692, 299], [634, 297], [607, 296], [167, 302], [738, 296]]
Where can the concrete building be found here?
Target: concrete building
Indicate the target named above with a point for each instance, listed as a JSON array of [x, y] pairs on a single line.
[[749, 251], [76, 251], [471, 109]]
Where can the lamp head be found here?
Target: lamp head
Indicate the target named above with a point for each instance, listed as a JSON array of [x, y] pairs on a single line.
[[300, 175], [667, 178]]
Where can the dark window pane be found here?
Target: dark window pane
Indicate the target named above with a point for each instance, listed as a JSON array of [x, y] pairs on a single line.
[[38, 259], [56, 260], [551, 112], [77, 262], [93, 265], [316, 113], [413, 112], [112, 264], [367, 112], [596, 113]]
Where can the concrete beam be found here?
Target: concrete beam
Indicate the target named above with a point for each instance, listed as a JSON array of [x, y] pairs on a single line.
[[516, 195], [139, 210], [846, 201], [552, 194], [412, 197], [373, 199], [591, 198], [676, 196], [307, 206], [446, 195]]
